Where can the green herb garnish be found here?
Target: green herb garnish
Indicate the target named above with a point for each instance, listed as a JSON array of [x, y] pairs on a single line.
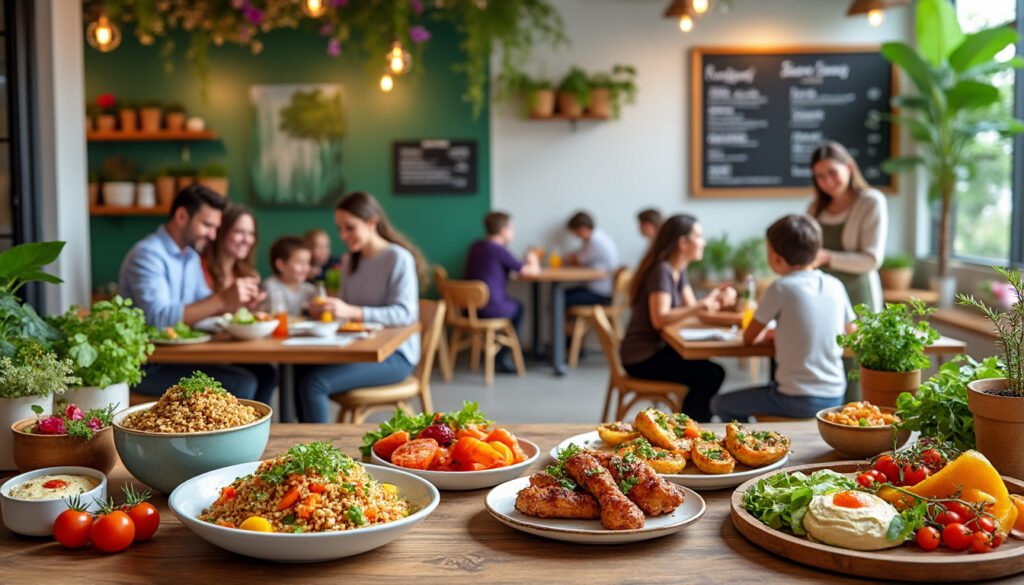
[[627, 484], [558, 471], [200, 382], [708, 436], [322, 458], [355, 515], [905, 524]]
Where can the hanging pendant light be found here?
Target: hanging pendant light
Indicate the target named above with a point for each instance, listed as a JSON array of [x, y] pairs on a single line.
[[874, 9], [686, 11], [398, 59], [314, 8], [701, 6], [103, 35], [387, 83]]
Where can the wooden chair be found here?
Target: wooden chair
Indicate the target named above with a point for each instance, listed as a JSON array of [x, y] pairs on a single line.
[[480, 336], [443, 355], [357, 404], [583, 315], [631, 390]]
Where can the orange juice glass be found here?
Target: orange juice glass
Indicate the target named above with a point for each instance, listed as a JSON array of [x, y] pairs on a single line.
[[555, 260], [748, 314], [282, 325]]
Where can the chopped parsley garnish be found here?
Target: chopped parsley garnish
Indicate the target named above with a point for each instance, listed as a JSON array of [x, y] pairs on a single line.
[[323, 458], [558, 471], [708, 436], [288, 520], [627, 484], [355, 515], [644, 449], [713, 454], [260, 496], [863, 422], [593, 472], [200, 382], [349, 487]]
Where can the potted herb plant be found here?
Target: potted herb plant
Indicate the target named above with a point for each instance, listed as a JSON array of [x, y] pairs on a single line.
[[106, 121], [175, 117], [897, 272], [183, 177], [150, 116], [749, 259], [889, 348], [107, 348], [716, 262], [118, 182], [165, 187], [29, 379], [215, 177], [538, 94], [19, 266], [574, 93], [998, 403], [610, 90], [129, 115], [952, 73], [70, 436]]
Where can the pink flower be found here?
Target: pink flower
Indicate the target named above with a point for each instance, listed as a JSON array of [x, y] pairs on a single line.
[[418, 34], [72, 412], [417, 6], [253, 15], [95, 424], [52, 425], [327, 30], [334, 47], [106, 101]]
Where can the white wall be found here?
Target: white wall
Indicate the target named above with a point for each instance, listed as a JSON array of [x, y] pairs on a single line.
[[543, 171]]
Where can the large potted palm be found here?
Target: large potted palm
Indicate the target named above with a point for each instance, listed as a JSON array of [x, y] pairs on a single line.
[[952, 73]]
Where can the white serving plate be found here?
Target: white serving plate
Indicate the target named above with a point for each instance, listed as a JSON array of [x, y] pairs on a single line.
[[501, 503], [183, 340], [691, 477], [470, 480], [189, 499]]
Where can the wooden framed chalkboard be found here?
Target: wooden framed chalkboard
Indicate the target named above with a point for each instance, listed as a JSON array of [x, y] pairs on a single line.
[[758, 114], [434, 166]]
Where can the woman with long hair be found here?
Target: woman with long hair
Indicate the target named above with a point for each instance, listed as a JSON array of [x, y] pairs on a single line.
[[233, 254], [661, 294], [380, 279], [854, 221]]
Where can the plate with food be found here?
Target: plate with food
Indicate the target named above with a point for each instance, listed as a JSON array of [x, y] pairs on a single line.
[[685, 453], [248, 325], [311, 504], [359, 327], [180, 334], [459, 450], [593, 497], [926, 513]]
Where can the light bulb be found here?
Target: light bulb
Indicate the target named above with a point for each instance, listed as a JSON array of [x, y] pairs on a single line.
[[314, 8], [700, 6], [876, 16], [387, 83], [103, 35], [686, 23], [398, 59]]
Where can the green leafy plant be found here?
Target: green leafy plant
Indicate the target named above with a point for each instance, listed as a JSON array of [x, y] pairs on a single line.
[[213, 170], [107, 346], [895, 261], [314, 116], [1009, 328], [577, 84], [34, 371], [516, 83], [781, 501], [952, 73], [118, 169], [890, 340], [149, 103], [621, 84], [939, 409], [19, 266], [750, 257], [175, 108]]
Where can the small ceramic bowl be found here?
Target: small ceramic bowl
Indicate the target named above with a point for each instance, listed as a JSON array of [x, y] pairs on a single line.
[[32, 451], [35, 517], [860, 441], [257, 330], [320, 329], [469, 480], [164, 460]]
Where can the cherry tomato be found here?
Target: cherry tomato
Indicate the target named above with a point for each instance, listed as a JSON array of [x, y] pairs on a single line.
[[928, 538], [956, 536], [981, 542], [965, 512], [982, 524], [997, 539], [932, 459], [878, 475], [887, 466], [947, 517], [146, 519], [866, 481], [72, 528], [914, 474], [113, 532]]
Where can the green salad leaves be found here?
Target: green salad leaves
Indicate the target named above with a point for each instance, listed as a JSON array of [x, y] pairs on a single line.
[[781, 501]]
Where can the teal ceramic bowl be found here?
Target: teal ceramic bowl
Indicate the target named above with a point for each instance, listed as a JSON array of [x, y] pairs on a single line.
[[164, 460]]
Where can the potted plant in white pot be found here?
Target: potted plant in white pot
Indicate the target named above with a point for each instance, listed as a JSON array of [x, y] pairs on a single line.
[[609, 91], [28, 379], [998, 403], [952, 73], [889, 348], [118, 182], [897, 272], [107, 348], [145, 190]]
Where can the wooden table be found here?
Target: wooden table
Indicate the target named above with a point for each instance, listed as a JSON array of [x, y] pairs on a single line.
[[222, 349], [459, 543], [557, 277]]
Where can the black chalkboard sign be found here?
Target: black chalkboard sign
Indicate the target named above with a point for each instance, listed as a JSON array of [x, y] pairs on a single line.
[[434, 166], [758, 115]]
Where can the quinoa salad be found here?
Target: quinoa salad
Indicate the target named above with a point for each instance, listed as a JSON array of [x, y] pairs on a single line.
[[312, 488], [195, 404]]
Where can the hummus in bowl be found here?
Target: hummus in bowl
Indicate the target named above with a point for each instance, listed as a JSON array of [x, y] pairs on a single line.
[[29, 507], [851, 519], [53, 487]]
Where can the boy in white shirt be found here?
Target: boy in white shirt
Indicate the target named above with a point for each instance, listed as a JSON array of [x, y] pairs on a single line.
[[810, 309], [290, 259]]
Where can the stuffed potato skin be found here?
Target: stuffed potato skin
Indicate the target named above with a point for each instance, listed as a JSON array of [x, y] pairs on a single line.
[[663, 461], [616, 433], [712, 458], [755, 448]]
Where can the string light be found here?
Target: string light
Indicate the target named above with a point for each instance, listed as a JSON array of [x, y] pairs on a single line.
[[103, 35], [700, 6], [399, 60], [685, 23], [314, 8], [876, 16], [387, 83]]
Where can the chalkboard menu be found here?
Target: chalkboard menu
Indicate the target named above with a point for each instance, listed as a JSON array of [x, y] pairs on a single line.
[[758, 115], [436, 166]]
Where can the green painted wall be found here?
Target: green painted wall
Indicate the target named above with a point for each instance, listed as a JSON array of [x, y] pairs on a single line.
[[427, 105]]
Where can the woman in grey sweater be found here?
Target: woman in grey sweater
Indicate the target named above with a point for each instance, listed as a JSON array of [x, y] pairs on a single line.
[[380, 284]]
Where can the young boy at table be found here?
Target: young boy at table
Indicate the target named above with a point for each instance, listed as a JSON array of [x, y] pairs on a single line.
[[810, 309], [490, 261], [290, 260]]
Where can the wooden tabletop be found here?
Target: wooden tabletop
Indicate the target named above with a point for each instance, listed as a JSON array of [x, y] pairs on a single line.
[[223, 349], [564, 274]]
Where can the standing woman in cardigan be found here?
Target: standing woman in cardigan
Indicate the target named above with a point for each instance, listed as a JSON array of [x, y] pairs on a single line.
[[854, 221], [380, 279]]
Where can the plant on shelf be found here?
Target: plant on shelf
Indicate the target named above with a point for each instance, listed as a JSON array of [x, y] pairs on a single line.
[[749, 259], [118, 182], [150, 116], [609, 91], [118, 169], [897, 272], [106, 120], [574, 93], [538, 93], [19, 266], [889, 347], [717, 260], [129, 116], [952, 73], [175, 117], [214, 176]]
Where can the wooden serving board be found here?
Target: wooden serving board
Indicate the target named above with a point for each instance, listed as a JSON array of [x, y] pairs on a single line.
[[721, 318], [905, 563]]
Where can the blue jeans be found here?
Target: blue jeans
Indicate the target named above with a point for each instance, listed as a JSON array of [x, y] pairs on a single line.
[[741, 404], [318, 383], [248, 381], [582, 295]]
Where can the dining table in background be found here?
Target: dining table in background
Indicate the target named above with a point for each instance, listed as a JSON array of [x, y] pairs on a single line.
[[557, 278], [222, 349]]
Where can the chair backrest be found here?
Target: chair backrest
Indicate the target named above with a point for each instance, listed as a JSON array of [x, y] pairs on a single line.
[[609, 341], [620, 293], [440, 275], [432, 327], [465, 295]]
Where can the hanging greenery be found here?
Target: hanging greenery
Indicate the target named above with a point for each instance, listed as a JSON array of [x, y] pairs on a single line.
[[367, 28]]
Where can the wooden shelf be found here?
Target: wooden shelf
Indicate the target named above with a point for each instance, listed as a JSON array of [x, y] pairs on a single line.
[[929, 297], [570, 118], [109, 211], [163, 135], [969, 320]]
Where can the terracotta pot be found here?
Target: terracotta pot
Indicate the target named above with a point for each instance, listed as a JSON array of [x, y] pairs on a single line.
[[94, 194], [165, 191], [182, 182], [11, 411], [149, 120], [175, 121], [541, 103], [600, 103], [106, 123], [33, 451], [218, 185], [998, 425], [882, 388], [129, 121], [896, 278], [568, 105]]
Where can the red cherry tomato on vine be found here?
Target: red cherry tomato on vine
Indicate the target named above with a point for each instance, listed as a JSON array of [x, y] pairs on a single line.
[[865, 480], [965, 512], [887, 466], [947, 517], [932, 459], [113, 532], [981, 542], [72, 528], [956, 536], [146, 519], [928, 538], [982, 524], [914, 474]]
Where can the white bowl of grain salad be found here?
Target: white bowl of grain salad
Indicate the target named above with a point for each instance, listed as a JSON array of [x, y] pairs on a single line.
[[195, 427], [311, 504]]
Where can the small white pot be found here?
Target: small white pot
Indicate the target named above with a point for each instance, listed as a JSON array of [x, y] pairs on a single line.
[[90, 397], [119, 194], [146, 194], [11, 411]]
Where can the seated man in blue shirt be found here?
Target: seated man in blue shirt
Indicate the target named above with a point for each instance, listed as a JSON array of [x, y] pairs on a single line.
[[163, 276]]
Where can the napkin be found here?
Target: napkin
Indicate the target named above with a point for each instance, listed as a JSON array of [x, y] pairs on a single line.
[[706, 335]]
